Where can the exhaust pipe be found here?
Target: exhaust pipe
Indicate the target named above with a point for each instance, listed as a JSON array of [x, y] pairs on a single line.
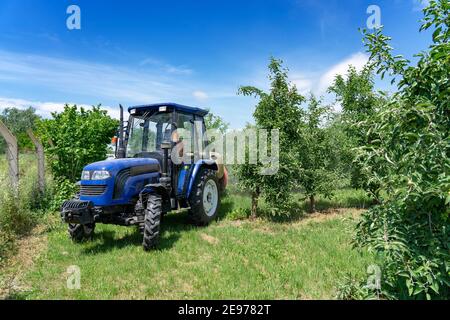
[[121, 151]]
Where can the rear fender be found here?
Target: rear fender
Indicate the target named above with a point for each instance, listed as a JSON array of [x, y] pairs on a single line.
[[208, 164]]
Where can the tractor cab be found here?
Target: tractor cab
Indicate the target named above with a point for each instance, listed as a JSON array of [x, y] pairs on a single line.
[[151, 128], [159, 166]]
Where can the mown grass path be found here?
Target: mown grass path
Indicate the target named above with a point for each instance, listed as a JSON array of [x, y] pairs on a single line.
[[259, 259]]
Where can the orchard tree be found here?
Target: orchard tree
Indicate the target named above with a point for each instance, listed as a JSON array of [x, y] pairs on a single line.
[[76, 137], [410, 159], [356, 96], [277, 109], [318, 171], [250, 178]]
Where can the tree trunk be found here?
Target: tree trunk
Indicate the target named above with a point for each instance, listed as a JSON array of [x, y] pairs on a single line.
[[312, 204], [255, 199]]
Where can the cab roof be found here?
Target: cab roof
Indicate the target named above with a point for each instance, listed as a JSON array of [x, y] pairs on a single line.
[[170, 105]]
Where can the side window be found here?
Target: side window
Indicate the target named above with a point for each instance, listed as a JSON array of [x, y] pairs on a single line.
[[185, 130], [200, 135]]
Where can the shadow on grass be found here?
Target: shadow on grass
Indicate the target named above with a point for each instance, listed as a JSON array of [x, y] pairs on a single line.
[[226, 206], [236, 205], [172, 226], [16, 296], [300, 211]]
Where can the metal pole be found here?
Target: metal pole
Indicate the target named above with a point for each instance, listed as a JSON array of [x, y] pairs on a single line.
[[12, 155], [41, 160]]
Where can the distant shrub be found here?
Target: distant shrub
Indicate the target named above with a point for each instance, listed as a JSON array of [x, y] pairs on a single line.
[[75, 138]]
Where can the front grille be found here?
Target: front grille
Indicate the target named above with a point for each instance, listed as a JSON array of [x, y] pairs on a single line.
[[92, 190], [76, 204]]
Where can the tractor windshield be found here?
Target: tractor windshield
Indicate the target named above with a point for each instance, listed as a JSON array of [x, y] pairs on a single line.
[[147, 132]]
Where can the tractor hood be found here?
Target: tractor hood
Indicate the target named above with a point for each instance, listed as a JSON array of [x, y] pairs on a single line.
[[147, 165]]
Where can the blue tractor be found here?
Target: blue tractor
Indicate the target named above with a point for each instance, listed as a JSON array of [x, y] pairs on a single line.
[[144, 182]]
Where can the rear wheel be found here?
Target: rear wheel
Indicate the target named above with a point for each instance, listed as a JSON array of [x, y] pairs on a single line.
[[78, 232], [152, 222], [205, 198]]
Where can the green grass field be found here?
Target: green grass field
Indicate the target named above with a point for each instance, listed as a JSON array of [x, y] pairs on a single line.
[[228, 260], [234, 258]]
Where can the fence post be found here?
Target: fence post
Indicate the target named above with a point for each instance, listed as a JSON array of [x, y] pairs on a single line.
[[41, 160], [12, 155]]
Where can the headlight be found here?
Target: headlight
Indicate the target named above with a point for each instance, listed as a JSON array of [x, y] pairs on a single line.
[[100, 175], [85, 175]]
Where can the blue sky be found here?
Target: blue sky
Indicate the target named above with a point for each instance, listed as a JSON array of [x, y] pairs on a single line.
[[191, 52]]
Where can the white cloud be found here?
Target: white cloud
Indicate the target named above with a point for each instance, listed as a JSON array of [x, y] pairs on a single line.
[[176, 70], [318, 83], [181, 70], [303, 84], [44, 109], [200, 95], [150, 61], [358, 60], [100, 81]]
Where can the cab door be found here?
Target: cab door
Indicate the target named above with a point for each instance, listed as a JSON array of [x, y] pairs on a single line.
[[183, 151]]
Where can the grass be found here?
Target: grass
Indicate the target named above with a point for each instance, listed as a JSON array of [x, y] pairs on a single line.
[[15, 220], [305, 257]]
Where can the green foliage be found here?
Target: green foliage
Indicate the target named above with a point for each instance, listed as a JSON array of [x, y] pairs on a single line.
[[279, 109], [343, 152], [316, 151], [18, 121], [249, 177], [62, 190], [351, 288], [7, 245], [15, 216], [75, 138], [213, 122], [359, 102], [20, 213], [409, 157], [308, 149], [239, 214], [16, 219]]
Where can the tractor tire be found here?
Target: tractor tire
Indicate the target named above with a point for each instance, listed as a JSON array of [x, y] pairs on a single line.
[[78, 232], [205, 198], [152, 222]]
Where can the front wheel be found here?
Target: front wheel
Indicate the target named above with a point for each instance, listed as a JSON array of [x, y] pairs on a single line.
[[152, 222], [204, 198], [78, 232]]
